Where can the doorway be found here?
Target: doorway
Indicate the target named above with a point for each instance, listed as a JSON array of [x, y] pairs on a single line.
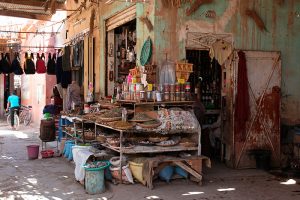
[[206, 79]]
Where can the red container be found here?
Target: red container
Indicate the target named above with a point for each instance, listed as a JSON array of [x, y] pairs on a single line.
[[33, 151], [47, 153]]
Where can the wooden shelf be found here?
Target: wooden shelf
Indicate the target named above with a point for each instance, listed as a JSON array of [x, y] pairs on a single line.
[[212, 112], [155, 103], [151, 149]]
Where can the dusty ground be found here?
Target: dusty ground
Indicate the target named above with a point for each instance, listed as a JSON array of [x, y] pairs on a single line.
[[53, 179]]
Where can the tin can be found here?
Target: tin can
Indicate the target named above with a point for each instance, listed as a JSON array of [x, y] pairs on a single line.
[[182, 87], [150, 87], [177, 87], [149, 95], [182, 96], [142, 95], [188, 96], [159, 96], [160, 88], [154, 95], [187, 86], [177, 96], [172, 96], [167, 96], [172, 87], [166, 87]]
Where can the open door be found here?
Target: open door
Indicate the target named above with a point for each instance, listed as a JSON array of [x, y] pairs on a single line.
[[262, 129]]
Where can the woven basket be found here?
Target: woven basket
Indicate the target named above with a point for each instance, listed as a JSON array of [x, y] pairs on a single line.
[[149, 125]]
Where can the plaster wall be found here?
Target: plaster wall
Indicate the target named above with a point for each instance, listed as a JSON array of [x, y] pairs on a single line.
[[282, 34]]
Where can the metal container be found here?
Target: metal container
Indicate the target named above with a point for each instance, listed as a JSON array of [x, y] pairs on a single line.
[[172, 88], [149, 95], [177, 96], [166, 87], [177, 87], [167, 96], [158, 96], [172, 96], [142, 95], [182, 96]]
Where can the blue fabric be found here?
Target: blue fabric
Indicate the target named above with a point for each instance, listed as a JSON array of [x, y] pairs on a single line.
[[13, 101]]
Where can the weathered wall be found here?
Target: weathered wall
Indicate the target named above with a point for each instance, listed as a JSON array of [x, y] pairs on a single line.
[[282, 23], [79, 22]]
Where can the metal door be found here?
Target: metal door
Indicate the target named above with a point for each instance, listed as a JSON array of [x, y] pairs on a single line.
[[263, 126]]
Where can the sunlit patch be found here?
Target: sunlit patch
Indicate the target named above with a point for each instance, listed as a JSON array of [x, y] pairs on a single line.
[[6, 157], [33, 181], [16, 166], [19, 192], [66, 193], [226, 189], [17, 134], [33, 197], [55, 189], [56, 198], [152, 197], [192, 193], [65, 176], [289, 182], [29, 186], [46, 192], [101, 198]]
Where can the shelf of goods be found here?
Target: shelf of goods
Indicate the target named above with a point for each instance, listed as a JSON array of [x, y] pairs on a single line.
[[78, 134], [139, 104], [191, 126]]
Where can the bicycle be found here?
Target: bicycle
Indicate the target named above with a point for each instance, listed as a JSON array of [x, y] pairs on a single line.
[[16, 119], [25, 115]]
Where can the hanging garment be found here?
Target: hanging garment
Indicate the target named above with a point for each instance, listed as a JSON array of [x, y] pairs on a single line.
[[66, 62], [73, 95], [40, 64], [29, 67], [242, 108], [51, 65], [5, 64], [58, 69], [220, 50], [66, 78], [78, 53], [16, 65]]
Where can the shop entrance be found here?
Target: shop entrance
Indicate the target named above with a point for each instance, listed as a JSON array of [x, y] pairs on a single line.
[[206, 79]]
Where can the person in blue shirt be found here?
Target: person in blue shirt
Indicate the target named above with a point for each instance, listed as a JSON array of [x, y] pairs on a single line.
[[13, 105]]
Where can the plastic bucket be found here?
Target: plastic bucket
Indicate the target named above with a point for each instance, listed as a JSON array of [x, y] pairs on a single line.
[[33, 151], [94, 180]]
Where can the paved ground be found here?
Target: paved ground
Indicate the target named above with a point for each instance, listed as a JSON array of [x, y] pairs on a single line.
[[53, 179]]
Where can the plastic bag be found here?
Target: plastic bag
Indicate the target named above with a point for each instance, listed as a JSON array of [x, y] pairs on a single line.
[[167, 73]]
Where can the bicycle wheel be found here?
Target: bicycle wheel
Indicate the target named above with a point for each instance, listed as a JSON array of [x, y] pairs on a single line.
[[16, 121], [27, 118], [8, 120]]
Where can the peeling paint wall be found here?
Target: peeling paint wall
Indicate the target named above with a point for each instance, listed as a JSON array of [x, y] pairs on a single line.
[[282, 24]]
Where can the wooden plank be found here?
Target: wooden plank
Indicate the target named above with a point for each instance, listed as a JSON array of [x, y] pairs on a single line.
[[189, 170], [25, 15]]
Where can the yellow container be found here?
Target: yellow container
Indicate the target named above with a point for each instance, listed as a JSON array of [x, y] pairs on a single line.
[[137, 171]]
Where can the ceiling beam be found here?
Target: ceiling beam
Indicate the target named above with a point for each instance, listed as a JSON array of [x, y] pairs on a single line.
[[25, 15], [33, 3]]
